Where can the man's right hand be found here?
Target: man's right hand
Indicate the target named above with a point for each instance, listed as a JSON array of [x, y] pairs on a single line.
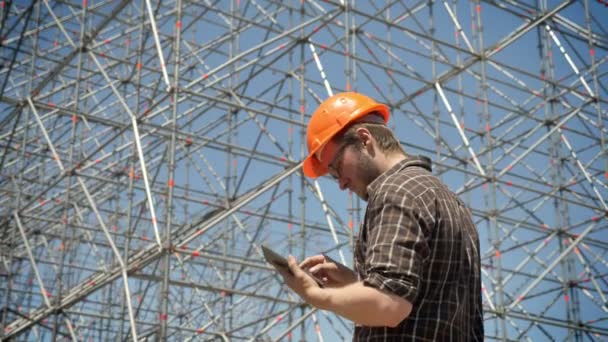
[[333, 273]]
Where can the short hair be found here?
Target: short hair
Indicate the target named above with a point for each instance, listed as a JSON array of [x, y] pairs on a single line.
[[387, 142]]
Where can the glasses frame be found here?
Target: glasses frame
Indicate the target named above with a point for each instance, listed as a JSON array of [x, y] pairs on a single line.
[[335, 166]]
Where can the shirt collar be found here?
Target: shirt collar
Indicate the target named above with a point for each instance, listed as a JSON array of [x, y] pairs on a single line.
[[420, 161]]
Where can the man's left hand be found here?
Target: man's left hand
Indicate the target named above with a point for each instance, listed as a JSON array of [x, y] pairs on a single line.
[[303, 284]]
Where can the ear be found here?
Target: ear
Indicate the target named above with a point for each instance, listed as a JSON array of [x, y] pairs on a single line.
[[366, 139]]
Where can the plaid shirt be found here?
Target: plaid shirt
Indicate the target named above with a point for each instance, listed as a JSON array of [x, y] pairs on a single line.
[[418, 242]]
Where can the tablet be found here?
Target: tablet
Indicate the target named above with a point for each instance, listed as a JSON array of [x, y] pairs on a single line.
[[280, 263]]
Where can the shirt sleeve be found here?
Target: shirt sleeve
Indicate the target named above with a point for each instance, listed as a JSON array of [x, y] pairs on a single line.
[[398, 251]]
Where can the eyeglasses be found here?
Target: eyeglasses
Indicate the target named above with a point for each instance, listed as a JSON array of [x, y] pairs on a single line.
[[335, 167]]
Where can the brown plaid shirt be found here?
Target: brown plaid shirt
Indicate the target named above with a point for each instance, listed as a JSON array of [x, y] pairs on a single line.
[[418, 241]]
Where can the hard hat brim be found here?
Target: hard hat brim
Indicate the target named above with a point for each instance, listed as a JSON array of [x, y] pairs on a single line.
[[313, 168]]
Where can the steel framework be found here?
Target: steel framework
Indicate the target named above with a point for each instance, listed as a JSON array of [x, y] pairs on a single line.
[[148, 149]]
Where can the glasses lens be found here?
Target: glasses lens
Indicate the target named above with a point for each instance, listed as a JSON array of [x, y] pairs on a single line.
[[336, 164]]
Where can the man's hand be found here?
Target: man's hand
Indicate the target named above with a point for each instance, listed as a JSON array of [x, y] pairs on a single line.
[[361, 304], [303, 284], [333, 273]]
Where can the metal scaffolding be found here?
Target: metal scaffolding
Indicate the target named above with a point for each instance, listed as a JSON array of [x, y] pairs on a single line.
[[148, 148]]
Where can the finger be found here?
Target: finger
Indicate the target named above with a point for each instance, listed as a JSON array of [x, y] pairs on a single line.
[[304, 279], [311, 261], [327, 268]]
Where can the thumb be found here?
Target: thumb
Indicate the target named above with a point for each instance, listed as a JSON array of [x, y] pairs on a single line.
[[293, 265]]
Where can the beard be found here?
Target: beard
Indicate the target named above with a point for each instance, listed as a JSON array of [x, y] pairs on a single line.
[[367, 171]]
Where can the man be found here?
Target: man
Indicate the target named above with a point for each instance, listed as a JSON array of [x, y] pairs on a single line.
[[417, 254]]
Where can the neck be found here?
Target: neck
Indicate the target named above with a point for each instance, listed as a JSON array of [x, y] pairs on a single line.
[[390, 160]]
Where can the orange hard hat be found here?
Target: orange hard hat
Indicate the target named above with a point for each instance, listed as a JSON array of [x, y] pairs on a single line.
[[332, 116]]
